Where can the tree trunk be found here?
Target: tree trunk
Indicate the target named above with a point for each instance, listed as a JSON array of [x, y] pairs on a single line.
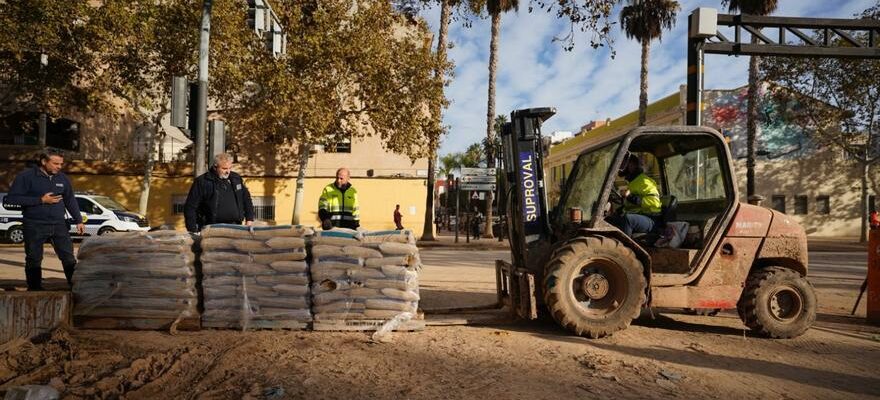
[[428, 227], [752, 126], [490, 116], [643, 85], [300, 183], [144, 199], [863, 232]]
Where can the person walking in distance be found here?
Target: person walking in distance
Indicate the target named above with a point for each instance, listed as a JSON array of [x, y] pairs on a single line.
[[218, 196], [45, 194], [338, 205], [398, 217]]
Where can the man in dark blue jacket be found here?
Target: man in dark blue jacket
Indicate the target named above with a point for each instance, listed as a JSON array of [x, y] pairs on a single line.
[[218, 197], [44, 193]]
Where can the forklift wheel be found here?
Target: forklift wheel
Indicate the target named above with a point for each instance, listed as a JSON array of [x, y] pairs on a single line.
[[778, 303], [594, 286]]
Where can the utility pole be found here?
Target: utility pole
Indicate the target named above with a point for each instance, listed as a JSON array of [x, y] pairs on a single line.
[[201, 113]]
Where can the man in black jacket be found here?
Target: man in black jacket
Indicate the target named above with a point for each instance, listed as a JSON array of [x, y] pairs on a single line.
[[44, 194], [218, 197]]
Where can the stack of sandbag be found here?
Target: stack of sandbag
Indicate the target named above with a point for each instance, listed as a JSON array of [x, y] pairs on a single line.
[[255, 276], [359, 275], [136, 275]]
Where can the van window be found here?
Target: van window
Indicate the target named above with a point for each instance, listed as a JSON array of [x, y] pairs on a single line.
[[86, 206]]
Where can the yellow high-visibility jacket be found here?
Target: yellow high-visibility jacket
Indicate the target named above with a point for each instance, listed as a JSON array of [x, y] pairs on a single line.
[[339, 206], [646, 190]]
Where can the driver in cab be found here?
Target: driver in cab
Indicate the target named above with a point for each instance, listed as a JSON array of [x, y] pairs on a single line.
[[641, 199]]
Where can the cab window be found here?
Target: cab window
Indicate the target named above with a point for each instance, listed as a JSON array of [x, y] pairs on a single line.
[[695, 175], [86, 206]]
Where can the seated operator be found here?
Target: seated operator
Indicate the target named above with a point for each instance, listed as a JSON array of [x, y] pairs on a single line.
[[641, 200]]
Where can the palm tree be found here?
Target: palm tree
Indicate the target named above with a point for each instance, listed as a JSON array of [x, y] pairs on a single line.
[[442, 37], [645, 20], [752, 7], [495, 8]]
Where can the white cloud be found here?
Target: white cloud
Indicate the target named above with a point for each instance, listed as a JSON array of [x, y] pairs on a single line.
[[583, 84]]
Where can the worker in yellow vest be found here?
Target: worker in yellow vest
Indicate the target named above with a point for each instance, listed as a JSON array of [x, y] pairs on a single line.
[[641, 199], [338, 205]]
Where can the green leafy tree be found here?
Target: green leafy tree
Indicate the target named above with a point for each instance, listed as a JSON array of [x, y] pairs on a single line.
[[47, 57], [836, 102], [351, 69], [644, 21], [752, 7], [139, 58]]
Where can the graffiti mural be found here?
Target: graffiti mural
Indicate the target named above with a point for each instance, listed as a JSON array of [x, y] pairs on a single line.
[[726, 110]]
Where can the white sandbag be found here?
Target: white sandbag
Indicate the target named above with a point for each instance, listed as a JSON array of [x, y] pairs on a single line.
[[398, 294], [281, 302], [289, 267], [360, 252], [398, 249], [286, 243], [330, 297], [277, 314], [251, 246], [384, 304], [219, 268], [252, 269], [329, 274], [390, 283], [362, 274], [408, 261], [217, 243], [268, 258], [402, 236], [224, 302], [291, 290], [394, 272], [225, 256], [271, 280], [327, 250], [329, 285], [244, 232]]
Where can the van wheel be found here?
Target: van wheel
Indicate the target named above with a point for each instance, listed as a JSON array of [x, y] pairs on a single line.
[[594, 286], [15, 234], [778, 303], [106, 229]]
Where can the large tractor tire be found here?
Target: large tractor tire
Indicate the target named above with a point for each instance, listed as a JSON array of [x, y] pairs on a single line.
[[594, 286], [778, 303]]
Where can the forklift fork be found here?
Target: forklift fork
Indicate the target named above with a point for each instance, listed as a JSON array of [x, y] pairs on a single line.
[[516, 289]]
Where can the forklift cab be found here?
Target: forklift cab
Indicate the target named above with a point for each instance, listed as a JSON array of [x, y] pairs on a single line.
[[693, 170]]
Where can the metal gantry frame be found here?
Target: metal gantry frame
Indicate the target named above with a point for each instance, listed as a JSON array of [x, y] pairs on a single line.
[[788, 37]]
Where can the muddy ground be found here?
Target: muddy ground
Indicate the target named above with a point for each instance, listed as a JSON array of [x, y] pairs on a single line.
[[671, 355]]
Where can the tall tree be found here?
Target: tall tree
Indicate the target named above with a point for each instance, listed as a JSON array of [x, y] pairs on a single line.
[[139, 60], [837, 103], [434, 140], [494, 8], [48, 57], [644, 21], [356, 69], [752, 7]]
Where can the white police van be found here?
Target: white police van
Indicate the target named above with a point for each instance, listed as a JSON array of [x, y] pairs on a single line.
[[101, 214]]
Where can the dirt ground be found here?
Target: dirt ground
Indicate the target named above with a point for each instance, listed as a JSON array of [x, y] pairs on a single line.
[[671, 355]]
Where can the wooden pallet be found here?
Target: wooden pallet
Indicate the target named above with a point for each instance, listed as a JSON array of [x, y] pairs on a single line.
[[257, 324], [154, 324], [349, 325]]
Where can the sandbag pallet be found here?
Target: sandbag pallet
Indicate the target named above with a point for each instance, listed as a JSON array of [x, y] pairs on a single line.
[[364, 280], [255, 277], [136, 280]]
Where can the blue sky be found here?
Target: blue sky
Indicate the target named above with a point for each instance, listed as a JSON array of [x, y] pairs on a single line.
[[583, 84]]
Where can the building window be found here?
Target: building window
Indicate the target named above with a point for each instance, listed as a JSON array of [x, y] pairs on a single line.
[[800, 204], [264, 208], [779, 202], [177, 203], [342, 146], [823, 205]]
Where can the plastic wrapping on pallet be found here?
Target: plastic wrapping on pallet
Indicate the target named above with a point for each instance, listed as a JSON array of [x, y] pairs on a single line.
[[146, 275], [363, 276], [255, 276]]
